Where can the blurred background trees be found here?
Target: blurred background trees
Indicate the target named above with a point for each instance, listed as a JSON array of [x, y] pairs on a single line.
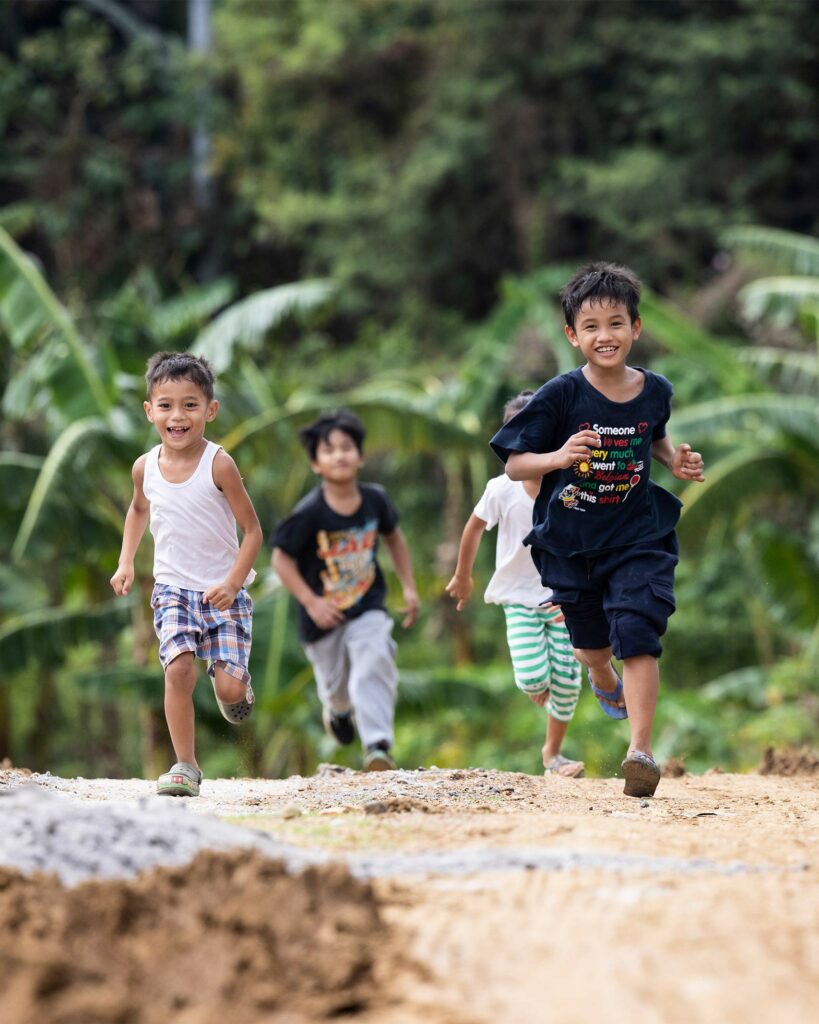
[[395, 193]]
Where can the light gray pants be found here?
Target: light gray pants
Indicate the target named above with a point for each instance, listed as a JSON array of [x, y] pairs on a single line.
[[355, 669]]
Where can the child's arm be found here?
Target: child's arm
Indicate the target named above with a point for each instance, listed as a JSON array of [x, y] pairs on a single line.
[[534, 465], [681, 461], [136, 520], [460, 586], [323, 612], [227, 478], [399, 552]]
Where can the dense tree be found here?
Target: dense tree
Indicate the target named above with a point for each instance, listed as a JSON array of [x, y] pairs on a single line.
[[414, 152], [405, 170]]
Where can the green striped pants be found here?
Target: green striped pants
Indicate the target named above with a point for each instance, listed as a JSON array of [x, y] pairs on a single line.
[[542, 657]]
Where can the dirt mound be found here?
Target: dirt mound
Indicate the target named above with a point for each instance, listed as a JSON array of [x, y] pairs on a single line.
[[230, 937], [791, 761], [674, 768], [397, 805]]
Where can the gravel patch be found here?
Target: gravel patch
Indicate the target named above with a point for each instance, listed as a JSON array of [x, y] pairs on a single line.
[[48, 828], [44, 831]]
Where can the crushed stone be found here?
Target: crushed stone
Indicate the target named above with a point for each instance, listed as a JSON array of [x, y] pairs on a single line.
[[44, 831]]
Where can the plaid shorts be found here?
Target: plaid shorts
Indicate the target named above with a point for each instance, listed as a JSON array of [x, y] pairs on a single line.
[[183, 624]]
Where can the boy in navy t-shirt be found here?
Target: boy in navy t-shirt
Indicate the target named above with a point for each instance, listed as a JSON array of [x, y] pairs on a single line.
[[325, 554], [603, 534]]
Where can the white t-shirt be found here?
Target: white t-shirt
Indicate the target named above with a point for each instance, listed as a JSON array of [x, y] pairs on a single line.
[[506, 504]]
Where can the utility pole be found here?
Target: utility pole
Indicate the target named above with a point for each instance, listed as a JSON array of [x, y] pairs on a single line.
[[199, 42]]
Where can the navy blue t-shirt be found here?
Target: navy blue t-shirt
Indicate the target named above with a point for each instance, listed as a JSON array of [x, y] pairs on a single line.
[[336, 554], [606, 501]]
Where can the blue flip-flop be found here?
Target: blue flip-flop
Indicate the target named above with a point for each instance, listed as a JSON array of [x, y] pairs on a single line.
[[603, 696]]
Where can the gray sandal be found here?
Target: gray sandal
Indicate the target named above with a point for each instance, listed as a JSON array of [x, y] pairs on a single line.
[[182, 779], [641, 774], [238, 712], [559, 761]]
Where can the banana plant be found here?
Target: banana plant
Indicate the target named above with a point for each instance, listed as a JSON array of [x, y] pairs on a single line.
[[790, 296], [73, 425]]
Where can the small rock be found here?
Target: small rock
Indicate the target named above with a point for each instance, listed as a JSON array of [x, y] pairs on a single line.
[[292, 811], [375, 807]]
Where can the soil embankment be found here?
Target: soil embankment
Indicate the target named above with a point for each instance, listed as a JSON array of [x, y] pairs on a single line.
[[480, 897]]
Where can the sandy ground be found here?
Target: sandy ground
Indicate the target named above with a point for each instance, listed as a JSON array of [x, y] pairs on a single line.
[[501, 897]]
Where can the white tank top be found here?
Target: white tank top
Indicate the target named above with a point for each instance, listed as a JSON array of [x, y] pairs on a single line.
[[194, 531]]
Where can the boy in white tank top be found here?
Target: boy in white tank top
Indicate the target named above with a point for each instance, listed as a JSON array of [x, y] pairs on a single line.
[[191, 491]]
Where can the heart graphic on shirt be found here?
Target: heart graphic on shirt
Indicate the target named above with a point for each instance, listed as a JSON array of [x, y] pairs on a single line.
[[584, 426], [642, 428]]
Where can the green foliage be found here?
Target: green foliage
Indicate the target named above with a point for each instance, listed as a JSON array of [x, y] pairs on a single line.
[[398, 190], [29, 312], [247, 323]]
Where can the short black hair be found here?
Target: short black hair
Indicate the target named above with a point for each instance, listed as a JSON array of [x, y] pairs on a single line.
[[514, 405], [164, 366], [337, 419], [600, 282]]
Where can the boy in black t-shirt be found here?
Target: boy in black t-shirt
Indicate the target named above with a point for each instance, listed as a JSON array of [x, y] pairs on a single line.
[[603, 534], [325, 554]]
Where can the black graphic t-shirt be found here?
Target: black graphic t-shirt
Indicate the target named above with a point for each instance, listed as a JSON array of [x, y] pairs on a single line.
[[607, 500], [336, 554]]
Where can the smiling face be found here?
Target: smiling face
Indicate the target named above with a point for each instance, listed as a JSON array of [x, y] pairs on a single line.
[[338, 459], [179, 409], [604, 332]]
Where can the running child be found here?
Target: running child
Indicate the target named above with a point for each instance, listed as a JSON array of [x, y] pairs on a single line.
[[544, 666], [190, 490], [603, 533], [325, 555]]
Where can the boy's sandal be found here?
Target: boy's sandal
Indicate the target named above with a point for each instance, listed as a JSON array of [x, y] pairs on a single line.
[[641, 774], [181, 780], [611, 701], [571, 769], [238, 712]]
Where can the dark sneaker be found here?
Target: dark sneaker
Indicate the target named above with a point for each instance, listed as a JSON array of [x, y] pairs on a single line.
[[378, 760], [340, 727]]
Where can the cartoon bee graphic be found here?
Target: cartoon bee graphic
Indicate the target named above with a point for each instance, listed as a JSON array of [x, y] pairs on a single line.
[[569, 497]]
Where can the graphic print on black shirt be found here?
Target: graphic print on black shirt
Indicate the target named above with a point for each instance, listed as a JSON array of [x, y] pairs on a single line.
[[612, 470], [336, 554], [606, 500], [349, 557]]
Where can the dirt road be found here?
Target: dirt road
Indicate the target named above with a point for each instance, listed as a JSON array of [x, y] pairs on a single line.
[[498, 897]]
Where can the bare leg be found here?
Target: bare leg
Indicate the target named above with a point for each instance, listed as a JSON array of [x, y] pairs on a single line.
[[228, 689], [598, 661], [641, 683], [180, 681], [555, 734]]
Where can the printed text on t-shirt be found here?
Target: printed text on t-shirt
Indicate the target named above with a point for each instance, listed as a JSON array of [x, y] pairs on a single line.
[[612, 469]]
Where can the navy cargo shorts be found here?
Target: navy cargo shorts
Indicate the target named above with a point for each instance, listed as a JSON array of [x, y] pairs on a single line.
[[620, 598]]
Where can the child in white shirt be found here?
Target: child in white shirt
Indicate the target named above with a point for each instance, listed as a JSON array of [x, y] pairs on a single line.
[[543, 662]]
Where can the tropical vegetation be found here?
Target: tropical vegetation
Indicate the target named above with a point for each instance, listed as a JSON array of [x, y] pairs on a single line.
[[392, 197]]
